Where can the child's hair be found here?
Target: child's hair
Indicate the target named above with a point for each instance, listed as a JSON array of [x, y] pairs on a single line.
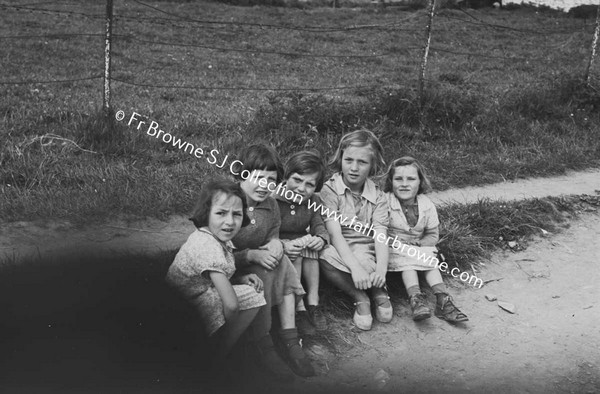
[[360, 139], [208, 192], [258, 157], [306, 162], [424, 185]]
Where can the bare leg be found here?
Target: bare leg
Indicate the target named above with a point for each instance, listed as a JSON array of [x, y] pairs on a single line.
[[298, 264], [287, 312], [433, 277], [310, 270], [233, 329], [410, 278], [343, 281]]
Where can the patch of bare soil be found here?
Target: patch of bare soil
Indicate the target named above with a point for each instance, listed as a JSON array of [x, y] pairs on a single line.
[[550, 344], [585, 182]]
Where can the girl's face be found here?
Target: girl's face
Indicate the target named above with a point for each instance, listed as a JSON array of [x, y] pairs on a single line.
[[225, 217], [356, 166], [405, 183], [255, 193], [303, 185]]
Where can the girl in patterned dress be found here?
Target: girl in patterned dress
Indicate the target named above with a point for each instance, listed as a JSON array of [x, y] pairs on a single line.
[[414, 221], [204, 266], [356, 263]]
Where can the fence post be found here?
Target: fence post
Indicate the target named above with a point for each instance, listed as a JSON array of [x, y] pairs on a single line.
[[430, 11], [107, 42], [588, 75]]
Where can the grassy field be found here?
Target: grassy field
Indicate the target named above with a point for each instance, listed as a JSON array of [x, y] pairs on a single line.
[[503, 100]]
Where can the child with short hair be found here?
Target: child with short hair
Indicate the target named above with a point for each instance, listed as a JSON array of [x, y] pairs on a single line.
[[356, 262], [203, 268], [260, 251], [414, 220], [303, 176]]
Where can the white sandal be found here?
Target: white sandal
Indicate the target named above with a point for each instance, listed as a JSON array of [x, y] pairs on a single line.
[[364, 322]]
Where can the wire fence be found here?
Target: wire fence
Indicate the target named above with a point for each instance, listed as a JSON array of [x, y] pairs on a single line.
[[159, 46]]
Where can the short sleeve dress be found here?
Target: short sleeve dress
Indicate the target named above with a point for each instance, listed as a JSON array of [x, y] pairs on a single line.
[[399, 227], [189, 275], [360, 215]]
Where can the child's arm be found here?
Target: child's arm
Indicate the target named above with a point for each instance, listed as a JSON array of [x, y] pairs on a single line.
[[359, 275], [250, 280], [381, 219], [274, 244], [228, 298], [431, 236], [317, 227], [329, 199]]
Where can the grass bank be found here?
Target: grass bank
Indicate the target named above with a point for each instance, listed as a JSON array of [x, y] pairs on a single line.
[[500, 102]]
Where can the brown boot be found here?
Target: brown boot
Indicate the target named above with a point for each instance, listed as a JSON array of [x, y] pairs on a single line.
[[418, 305], [446, 310]]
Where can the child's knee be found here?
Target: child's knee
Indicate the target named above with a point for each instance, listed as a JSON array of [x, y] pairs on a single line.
[[326, 266]]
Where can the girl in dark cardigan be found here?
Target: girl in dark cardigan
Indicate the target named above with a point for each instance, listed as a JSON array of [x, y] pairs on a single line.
[[304, 175], [260, 251]]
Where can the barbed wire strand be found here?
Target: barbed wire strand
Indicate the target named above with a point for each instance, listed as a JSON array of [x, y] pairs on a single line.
[[47, 11], [315, 29], [479, 22], [260, 51], [53, 35], [241, 88], [32, 82]]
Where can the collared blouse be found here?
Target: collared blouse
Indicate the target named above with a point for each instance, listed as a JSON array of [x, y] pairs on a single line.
[[370, 208]]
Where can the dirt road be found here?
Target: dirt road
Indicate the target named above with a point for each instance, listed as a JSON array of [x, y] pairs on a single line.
[[550, 344]]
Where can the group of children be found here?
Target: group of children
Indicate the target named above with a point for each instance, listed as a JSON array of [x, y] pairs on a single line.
[[251, 247]]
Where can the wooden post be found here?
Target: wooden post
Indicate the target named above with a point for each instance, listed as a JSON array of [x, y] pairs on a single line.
[[430, 11], [588, 75], [107, 42]]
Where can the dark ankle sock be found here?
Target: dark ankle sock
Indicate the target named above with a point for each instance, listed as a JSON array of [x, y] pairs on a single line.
[[439, 288], [289, 337], [413, 290], [288, 334]]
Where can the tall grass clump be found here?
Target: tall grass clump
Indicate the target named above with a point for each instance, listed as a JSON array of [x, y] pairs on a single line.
[[469, 233]]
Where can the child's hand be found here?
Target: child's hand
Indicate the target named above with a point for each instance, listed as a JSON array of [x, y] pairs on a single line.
[[263, 258], [252, 280], [275, 247], [316, 243], [361, 279], [378, 278], [292, 249]]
